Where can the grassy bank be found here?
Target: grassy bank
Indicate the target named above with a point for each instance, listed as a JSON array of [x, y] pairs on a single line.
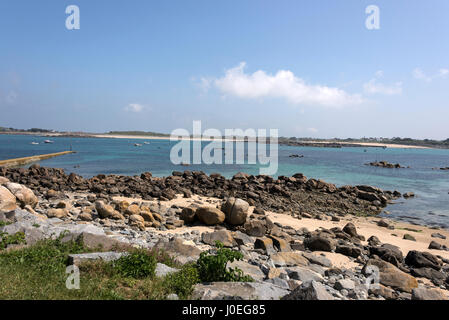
[[38, 272]]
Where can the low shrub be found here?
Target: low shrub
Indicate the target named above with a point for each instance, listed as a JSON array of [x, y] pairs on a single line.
[[139, 264], [183, 281], [213, 267], [6, 239]]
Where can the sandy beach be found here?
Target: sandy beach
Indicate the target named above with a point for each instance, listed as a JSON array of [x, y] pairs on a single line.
[[366, 226], [368, 144], [112, 136], [372, 144]]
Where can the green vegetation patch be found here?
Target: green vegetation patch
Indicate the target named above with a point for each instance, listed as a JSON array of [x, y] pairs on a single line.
[[39, 272], [213, 267]]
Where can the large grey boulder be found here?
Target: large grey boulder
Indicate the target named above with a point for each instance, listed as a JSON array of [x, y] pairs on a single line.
[[319, 243], [188, 214], [162, 270], [248, 269], [238, 291], [77, 259], [390, 276], [224, 236], [210, 215], [345, 284], [317, 259], [180, 251], [303, 274], [311, 290], [422, 259], [287, 259], [428, 294], [236, 211]]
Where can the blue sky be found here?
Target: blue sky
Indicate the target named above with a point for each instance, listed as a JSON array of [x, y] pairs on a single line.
[[307, 68]]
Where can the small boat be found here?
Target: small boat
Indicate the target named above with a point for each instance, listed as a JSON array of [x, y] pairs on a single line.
[[34, 142], [48, 141], [146, 142], [137, 145]]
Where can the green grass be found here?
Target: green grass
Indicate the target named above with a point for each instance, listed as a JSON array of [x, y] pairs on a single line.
[[39, 272], [4, 223], [6, 239], [213, 267]]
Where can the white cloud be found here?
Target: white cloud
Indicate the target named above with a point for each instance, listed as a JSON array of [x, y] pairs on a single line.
[[11, 97], [375, 87], [283, 84], [134, 107], [379, 74], [443, 72], [202, 83], [205, 84], [420, 75]]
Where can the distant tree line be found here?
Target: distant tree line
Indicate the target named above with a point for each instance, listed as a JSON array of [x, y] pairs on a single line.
[[4, 129]]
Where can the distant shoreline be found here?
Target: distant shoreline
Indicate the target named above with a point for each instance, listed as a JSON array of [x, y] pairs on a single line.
[[369, 144], [308, 143]]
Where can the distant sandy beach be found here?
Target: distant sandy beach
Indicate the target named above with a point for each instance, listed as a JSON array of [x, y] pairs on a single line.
[[118, 136], [368, 144], [374, 144], [154, 137]]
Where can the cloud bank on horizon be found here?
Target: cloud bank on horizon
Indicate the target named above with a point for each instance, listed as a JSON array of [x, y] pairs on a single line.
[[375, 87], [134, 107], [419, 74], [284, 84]]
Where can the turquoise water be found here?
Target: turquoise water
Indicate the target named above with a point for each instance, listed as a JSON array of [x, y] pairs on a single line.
[[339, 166]]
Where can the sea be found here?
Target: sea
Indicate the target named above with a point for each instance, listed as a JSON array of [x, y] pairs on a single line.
[[341, 166]]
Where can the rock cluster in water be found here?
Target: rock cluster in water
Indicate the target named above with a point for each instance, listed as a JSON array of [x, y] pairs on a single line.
[[385, 164]]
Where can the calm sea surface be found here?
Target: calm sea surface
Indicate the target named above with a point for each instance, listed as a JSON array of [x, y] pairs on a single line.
[[339, 166]]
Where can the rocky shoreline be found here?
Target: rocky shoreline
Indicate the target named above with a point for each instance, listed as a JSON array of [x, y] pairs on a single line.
[[295, 194], [265, 219]]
